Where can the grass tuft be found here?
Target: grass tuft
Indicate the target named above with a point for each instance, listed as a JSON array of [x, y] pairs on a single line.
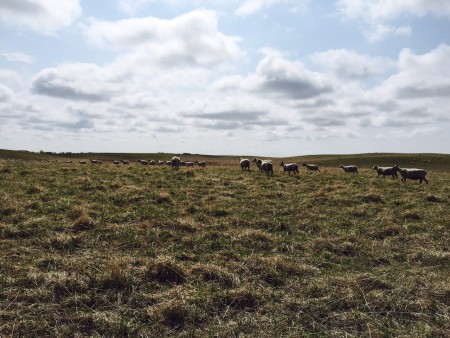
[[165, 271], [164, 197], [83, 223]]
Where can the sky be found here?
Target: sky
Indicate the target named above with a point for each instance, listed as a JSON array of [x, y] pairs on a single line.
[[264, 77]]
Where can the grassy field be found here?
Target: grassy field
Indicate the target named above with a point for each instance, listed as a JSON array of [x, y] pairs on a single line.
[[133, 250]]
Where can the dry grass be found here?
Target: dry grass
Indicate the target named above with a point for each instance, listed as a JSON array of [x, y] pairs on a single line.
[[147, 251]]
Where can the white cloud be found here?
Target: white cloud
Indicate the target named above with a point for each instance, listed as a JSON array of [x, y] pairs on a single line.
[[422, 76], [78, 81], [192, 39], [379, 13], [381, 10], [350, 65], [18, 57], [250, 7], [278, 77], [43, 16], [6, 94]]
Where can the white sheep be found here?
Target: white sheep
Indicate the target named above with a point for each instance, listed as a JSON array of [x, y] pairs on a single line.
[[349, 168], [289, 167], [313, 167], [264, 165], [201, 163], [82, 162], [125, 162], [151, 162], [175, 162], [189, 164], [161, 162], [94, 161], [412, 174], [116, 162], [390, 171], [244, 163], [143, 162]]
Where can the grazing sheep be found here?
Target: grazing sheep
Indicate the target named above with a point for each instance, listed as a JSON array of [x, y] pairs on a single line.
[[175, 162], [94, 161], [116, 162], [244, 163], [201, 163], [169, 163], [412, 174], [189, 164], [289, 167], [390, 171], [264, 165], [125, 162], [82, 162], [161, 162], [349, 168], [313, 167], [143, 162], [151, 162], [183, 163]]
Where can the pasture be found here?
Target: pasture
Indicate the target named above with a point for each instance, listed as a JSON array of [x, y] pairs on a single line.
[[105, 250]]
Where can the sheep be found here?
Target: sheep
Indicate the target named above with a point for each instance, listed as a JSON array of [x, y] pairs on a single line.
[[189, 164], [412, 174], [267, 166], [143, 162], [175, 162], [244, 163], [350, 168], [161, 162], [151, 162], [264, 165], [183, 163], [201, 163], [82, 162], [169, 163], [391, 171], [314, 167], [116, 162], [125, 162], [94, 161], [289, 167]]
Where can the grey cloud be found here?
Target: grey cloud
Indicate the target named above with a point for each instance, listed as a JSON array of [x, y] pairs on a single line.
[[39, 123], [230, 120], [388, 105], [48, 86], [6, 94], [324, 121], [294, 89], [163, 129], [410, 92], [221, 126], [418, 112], [80, 124], [399, 123], [26, 7], [315, 104], [230, 115]]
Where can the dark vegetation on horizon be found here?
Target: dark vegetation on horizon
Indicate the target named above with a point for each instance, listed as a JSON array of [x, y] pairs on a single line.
[[434, 161]]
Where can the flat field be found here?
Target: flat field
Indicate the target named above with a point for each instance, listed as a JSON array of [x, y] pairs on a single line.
[[136, 250]]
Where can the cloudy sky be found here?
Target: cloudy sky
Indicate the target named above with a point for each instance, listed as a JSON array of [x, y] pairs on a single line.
[[263, 77]]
